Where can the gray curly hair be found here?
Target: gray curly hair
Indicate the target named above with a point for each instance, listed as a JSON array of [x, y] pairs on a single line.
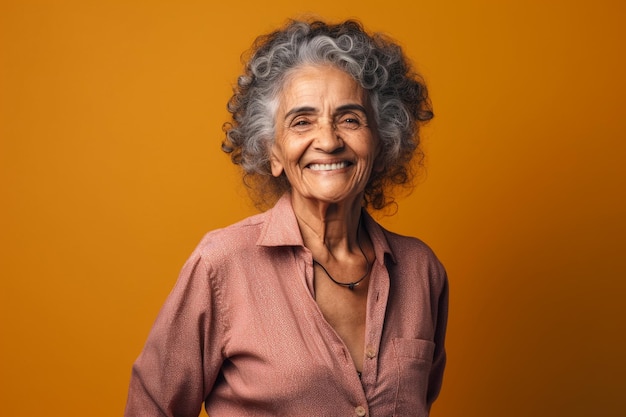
[[398, 96]]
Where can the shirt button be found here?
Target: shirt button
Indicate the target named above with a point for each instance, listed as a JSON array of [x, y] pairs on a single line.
[[360, 411], [370, 352]]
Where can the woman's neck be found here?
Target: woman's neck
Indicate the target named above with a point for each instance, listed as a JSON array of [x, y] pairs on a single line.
[[328, 227]]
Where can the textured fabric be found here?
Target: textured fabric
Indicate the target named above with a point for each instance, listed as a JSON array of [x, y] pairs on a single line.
[[242, 332]]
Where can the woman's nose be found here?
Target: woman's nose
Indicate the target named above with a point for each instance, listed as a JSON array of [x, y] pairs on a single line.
[[328, 138]]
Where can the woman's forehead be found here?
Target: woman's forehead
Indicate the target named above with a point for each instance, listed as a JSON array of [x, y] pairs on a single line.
[[317, 87]]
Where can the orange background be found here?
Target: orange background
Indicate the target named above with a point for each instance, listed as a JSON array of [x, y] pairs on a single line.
[[110, 125]]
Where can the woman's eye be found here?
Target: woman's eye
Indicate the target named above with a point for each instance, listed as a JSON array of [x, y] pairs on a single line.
[[350, 122], [301, 124]]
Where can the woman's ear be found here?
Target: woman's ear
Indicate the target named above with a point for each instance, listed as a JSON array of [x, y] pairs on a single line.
[[275, 164], [379, 163]]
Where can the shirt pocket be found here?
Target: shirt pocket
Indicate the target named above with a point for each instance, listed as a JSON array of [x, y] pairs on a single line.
[[413, 358]]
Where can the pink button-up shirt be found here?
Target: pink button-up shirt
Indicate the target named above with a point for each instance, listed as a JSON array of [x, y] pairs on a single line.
[[242, 332]]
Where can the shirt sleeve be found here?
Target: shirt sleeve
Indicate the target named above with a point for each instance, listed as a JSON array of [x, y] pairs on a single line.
[[439, 358], [182, 356]]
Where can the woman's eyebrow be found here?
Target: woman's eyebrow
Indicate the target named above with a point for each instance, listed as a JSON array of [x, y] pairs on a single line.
[[351, 107], [298, 110]]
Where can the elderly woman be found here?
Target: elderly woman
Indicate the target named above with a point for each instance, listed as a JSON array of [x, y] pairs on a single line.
[[311, 307]]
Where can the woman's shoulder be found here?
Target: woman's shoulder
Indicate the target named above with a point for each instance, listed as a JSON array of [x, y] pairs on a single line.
[[397, 241], [408, 242], [411, 247], [239, 235]]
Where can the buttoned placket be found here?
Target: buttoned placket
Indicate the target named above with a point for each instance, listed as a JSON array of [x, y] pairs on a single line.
[[341, 351], [376, 306], [360, 411]]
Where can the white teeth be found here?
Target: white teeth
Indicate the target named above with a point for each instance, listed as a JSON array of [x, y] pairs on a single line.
[[328, 167]]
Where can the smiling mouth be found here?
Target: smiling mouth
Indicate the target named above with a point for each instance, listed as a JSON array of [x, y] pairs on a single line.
[[329, 167]]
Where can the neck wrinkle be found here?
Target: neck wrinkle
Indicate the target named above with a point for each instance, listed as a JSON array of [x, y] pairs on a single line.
[[329, 227]]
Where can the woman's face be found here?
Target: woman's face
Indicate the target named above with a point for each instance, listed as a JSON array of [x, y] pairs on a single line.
[[326, 141]]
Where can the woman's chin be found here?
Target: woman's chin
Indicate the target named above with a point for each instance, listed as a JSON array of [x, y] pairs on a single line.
[[328, 197]]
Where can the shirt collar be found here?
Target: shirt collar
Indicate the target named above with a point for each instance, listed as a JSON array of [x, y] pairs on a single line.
[[281, 229], [378, 237], [281, 226]]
